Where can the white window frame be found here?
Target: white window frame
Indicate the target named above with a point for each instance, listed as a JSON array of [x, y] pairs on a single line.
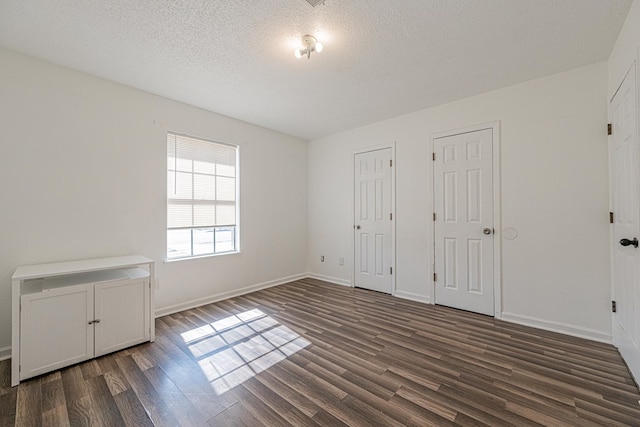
[[194, 202]]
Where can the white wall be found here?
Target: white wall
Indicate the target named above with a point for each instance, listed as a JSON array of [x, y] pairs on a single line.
[[83, 175], [554, 192]]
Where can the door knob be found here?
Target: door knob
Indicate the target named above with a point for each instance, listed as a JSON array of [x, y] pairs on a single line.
[[357, 227], [627, 242], [487, 230]]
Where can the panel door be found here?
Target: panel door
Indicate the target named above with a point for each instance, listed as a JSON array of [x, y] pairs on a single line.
[[625, 206], [55, 330], [373, 221], [463, 199], [122, 309]]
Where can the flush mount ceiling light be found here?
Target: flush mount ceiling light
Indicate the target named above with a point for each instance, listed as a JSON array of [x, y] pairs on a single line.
[[308, 44], [315, 3]]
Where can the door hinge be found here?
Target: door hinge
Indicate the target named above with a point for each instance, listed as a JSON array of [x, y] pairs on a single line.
[[433, 156], [390, 270], [613, 306], [609, 129], [390, 163], [19, 368], [391, 216], [434, 216], [435, 277], [610, 217]]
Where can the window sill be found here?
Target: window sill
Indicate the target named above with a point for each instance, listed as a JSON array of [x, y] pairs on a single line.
[[203, 258]]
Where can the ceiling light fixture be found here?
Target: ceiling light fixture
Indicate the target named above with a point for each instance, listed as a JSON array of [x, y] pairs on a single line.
[[308, 44], [315, 3]]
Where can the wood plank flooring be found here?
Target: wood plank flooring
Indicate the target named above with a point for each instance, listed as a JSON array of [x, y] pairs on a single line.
[[309, 353]]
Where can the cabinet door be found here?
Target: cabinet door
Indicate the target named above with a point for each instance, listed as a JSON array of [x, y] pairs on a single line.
[[123, 310], [55, 330]]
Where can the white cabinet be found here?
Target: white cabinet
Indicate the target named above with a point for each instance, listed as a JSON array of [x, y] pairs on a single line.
[[120, 313], [54, 329], [70, 312]]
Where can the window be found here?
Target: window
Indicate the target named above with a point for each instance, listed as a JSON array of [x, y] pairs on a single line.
[[202, 187]]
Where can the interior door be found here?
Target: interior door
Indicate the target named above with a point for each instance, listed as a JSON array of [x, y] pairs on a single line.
[[626, 212], [463, 200], [373, 220]]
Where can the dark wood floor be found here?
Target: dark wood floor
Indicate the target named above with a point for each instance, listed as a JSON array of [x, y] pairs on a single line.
[[310, 353]]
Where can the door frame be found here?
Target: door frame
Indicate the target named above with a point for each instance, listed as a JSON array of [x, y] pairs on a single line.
[[391, 145], [497, 217]]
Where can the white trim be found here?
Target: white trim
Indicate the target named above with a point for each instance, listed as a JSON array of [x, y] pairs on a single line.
[[497, 208], [225, 295], [497, 221], [563, 328], [5, 353], [206, 257], [391, 145], [426, 299], [330, 279]]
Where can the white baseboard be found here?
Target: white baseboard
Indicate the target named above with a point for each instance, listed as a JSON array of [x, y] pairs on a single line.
[[5, 353], [334, 280], [563, 328], [225, 295], [413, 297], [576, 331]]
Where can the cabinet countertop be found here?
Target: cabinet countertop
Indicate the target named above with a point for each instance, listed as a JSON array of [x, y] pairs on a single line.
[[82, 266]]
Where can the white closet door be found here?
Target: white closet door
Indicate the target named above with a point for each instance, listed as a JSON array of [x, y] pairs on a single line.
[[55, 329], [623, 153], [122, 315], [463, 171], [373, 221]]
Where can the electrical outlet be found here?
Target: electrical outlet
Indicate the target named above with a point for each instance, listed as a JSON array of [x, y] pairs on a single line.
[[341, 261], [321, 258]]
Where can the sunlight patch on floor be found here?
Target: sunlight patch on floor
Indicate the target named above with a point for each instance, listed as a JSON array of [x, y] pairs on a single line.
[[238, 347]]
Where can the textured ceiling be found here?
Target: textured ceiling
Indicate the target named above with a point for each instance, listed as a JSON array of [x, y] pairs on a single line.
[[381, 58]]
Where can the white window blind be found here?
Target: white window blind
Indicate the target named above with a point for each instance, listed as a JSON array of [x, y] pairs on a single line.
[[201, 195]]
